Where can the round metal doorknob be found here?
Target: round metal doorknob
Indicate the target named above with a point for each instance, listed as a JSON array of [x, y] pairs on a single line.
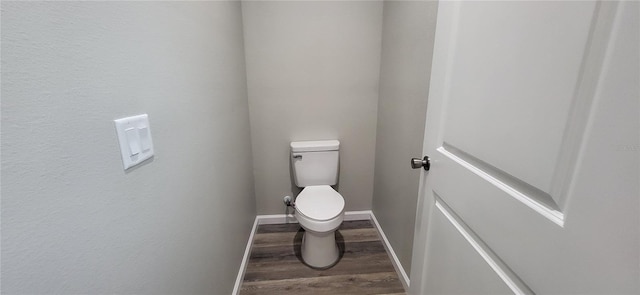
[[421, 163]]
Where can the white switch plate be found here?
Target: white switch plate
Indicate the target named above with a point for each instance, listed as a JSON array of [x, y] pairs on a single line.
[[134, 135]]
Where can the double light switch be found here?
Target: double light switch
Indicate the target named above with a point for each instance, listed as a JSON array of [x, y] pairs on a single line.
[[134, 136]]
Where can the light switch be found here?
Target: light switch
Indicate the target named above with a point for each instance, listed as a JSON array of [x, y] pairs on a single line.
[[134, 136], [145, 138]]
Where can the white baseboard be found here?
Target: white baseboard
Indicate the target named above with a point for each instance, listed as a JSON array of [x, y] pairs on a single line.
[[404, 278], [290, 218], [245, 259], [276, 219], [357, 215]]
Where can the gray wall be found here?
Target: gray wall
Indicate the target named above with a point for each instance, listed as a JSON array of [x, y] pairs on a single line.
[[408, 33], [312, 73], [72, 220]]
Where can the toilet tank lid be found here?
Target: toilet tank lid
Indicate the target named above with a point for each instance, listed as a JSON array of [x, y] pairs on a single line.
[[315, 146]]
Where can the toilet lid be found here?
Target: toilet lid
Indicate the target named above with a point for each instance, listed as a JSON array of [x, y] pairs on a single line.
[[320, 202]]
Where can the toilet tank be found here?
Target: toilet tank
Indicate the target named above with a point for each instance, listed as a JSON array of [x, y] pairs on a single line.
[[315, 162]]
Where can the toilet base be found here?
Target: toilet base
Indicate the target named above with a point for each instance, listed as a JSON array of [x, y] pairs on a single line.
[[319, 250]]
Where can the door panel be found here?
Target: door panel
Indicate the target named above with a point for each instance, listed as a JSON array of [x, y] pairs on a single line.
[[523, 57], [451, 248], [534, 135]]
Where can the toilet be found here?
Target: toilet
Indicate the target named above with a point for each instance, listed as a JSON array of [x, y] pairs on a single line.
[[318, 208]]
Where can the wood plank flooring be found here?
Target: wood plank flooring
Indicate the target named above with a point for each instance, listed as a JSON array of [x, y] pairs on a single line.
[[275, 265]]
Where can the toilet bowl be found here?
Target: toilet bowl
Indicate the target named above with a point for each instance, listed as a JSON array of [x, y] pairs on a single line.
[[320, 211]]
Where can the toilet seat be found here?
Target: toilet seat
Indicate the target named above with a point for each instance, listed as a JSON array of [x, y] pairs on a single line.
[[320, 203]]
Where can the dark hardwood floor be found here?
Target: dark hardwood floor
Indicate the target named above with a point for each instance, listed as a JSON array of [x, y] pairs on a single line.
[[275, 265]]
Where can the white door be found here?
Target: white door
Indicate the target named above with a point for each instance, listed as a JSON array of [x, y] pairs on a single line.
[[533, 129]]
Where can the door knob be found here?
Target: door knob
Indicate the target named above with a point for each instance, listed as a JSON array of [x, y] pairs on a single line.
[[424, 163]]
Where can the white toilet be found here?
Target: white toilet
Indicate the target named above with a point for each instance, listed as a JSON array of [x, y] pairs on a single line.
[[319, 208]]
